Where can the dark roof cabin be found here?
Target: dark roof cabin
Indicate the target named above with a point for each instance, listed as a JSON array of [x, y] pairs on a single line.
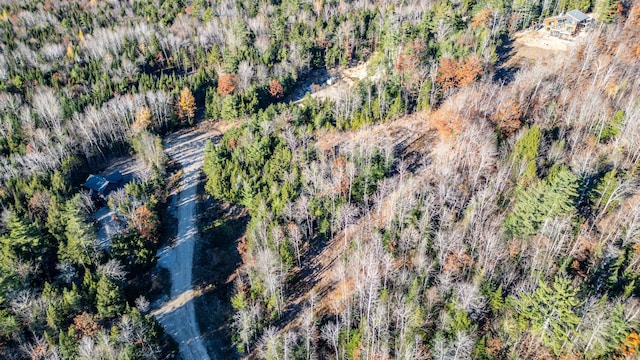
[[115, 178], [104, 185], [97, 183]]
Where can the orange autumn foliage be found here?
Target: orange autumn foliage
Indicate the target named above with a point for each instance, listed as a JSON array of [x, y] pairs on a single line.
[[447, 73], [507, 117], [85, 325], [633, 19], [146, 223], [630, 346], [339, 172], [226, 84], [446, 121], [494, 347], [469, 71], [454, 74], [276, 89], [456, 262], [482, 18], [407, 65]]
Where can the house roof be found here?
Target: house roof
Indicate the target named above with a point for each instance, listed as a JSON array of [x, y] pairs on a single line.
[[97, 183], [115, 177], [578, 15]]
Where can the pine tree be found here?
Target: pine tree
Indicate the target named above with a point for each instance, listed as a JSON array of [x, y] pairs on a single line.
[[559, 196], [109, 298], [68, 344], [79, 247], [9, 325], [606, 10], [551, 313], [526, 150], [424, 96], [541, 202], [526, 216], [25, 241]]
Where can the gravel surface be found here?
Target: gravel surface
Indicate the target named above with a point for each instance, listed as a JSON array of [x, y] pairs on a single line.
[[177, 314]]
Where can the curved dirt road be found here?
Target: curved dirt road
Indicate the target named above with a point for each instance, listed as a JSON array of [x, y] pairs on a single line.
[[177, 315]]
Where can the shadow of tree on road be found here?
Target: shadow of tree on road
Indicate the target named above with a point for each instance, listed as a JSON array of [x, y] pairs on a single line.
[[216, 261]]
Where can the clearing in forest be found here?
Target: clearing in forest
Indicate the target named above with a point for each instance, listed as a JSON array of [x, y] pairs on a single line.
[[538, 44], [336, 84]]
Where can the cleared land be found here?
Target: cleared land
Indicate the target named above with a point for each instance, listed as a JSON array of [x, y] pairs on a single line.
[[342, 80], [538, 44]]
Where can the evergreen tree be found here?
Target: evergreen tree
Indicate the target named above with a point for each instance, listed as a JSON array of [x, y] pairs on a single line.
[[68, 344], [25, 241], [109, 298], [526, 150], [559, 195], [534, 205], [606, 10], [550, 312], [79, 247]]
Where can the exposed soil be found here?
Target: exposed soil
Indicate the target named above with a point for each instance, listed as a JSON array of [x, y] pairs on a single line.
[[342, 79], [532, 46], [536, 45]]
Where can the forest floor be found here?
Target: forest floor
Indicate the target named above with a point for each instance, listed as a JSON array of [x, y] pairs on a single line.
[[177, 314], [129, 167], [108, 225]]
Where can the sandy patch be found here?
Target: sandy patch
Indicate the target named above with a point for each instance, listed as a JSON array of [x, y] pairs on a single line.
[[538, 44]]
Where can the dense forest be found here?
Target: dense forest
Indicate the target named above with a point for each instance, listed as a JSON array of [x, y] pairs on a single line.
[[452, 204]]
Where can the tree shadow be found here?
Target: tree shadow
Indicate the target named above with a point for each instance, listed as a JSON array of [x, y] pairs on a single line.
[[505, 71], [216, 261]]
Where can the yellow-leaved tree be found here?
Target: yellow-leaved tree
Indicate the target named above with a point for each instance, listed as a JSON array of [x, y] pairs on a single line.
[[186, 105], [143, 120]]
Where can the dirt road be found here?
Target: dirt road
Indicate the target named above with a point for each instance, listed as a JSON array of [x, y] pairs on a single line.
[[107, 227], [177, 315]]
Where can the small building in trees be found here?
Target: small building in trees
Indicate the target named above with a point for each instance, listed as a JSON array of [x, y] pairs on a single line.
[[101, 186], [567, 25]]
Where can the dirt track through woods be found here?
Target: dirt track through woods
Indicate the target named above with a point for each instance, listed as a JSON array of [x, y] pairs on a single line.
[[177, 315]]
